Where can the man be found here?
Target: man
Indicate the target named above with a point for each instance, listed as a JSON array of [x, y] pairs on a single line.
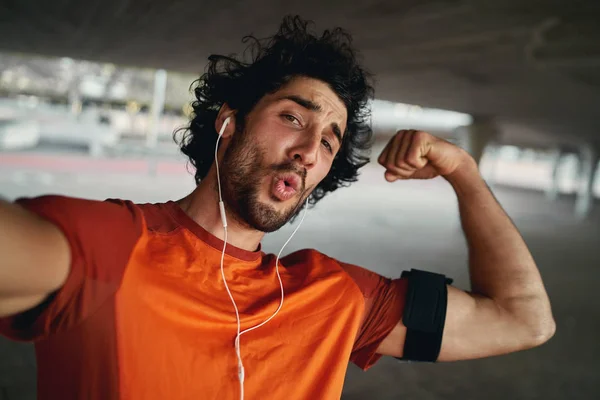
[[128, 300]]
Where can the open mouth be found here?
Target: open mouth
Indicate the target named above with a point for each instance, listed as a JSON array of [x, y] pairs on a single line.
[[290, 181], [285, 186]]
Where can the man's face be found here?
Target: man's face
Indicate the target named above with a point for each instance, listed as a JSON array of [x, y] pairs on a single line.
[[287, 147]]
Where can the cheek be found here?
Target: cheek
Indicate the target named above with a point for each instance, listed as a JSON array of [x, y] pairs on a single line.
[[268, 132], [319, 174]]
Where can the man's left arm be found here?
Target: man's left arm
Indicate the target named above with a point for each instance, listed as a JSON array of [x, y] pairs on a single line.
[[508, 308]]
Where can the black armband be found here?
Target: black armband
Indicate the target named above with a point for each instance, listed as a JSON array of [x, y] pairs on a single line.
[[424, 315]]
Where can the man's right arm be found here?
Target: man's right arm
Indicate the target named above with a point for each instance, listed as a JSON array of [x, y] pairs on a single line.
[[34, 261]]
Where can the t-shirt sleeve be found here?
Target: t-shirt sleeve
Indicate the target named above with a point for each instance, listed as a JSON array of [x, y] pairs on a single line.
[[384, 307], [101, 237]]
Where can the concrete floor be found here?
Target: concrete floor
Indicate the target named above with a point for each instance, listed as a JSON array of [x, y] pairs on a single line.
[[388, 228]]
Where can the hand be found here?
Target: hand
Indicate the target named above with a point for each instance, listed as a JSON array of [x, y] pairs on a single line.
[[414, 154]]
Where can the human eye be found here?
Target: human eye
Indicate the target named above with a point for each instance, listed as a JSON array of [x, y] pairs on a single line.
[[327, 145], [292, 119]]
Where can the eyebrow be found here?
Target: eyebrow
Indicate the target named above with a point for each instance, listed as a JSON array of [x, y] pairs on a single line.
[[312, 106]]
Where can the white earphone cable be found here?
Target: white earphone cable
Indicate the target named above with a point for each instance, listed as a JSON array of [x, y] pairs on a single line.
[[241, 372], [224, 220]]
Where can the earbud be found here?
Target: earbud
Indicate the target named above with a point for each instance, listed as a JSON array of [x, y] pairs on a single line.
[[221, 205], [225, 123]]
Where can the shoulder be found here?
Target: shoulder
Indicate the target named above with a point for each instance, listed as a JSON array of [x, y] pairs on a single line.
[[76, 212], [314, 260], [305, 256], [122, 214], [159, 217], [368, 282]]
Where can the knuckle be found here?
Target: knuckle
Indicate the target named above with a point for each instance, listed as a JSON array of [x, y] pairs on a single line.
[[421, 135]]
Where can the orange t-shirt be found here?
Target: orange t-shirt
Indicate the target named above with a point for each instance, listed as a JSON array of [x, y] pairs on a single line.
[[144, 313]]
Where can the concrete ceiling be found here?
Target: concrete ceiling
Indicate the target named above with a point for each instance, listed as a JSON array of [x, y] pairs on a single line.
[[534, 65]]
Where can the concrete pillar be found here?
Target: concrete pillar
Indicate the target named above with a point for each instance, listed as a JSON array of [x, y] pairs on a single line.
[[493, 155], [74, 97], [158, 105], [552, 191], [477, 136], [585, 197]]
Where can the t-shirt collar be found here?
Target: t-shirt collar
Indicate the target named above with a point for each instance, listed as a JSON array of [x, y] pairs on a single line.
[[182, 218]]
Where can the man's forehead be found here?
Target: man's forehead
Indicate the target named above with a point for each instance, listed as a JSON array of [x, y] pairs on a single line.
[[315, 91]]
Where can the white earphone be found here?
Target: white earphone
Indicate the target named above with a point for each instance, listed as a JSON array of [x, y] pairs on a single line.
[[241, 372]]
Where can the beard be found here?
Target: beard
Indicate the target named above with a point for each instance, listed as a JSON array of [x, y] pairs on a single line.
[[244, 172]]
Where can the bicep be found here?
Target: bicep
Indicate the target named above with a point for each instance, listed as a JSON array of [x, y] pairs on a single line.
[[36, 257], [475, 327]]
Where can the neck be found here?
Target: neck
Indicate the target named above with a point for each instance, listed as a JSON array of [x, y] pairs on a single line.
[[202, 205]]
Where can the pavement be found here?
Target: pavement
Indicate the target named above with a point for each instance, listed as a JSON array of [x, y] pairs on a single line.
[[386, 228]]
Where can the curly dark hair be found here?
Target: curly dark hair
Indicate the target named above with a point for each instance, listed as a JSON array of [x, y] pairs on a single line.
[[293, 51]]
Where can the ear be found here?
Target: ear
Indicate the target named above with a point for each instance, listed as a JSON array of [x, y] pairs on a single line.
[[224, 113]]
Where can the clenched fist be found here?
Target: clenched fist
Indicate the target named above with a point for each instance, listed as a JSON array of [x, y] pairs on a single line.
[[414, 154]]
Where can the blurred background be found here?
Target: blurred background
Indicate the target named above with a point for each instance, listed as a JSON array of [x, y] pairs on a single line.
[[92, 92]]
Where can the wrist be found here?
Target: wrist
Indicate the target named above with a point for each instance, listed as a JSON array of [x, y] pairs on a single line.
[[466, 173]]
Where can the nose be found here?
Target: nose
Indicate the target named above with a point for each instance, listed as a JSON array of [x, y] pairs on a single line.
[[306, 149]]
